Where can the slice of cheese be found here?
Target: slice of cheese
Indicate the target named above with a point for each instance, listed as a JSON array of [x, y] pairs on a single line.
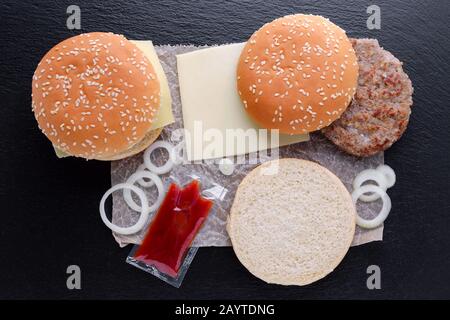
[[165, 115], [210, 99]]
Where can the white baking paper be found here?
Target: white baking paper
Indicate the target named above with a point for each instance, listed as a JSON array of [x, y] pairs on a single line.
[[213, 233]]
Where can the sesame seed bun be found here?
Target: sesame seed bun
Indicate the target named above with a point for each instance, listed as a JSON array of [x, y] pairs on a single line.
[[297, 74], [95, 96]]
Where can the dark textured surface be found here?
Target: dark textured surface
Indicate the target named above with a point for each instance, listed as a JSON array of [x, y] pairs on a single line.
[[49, 215]]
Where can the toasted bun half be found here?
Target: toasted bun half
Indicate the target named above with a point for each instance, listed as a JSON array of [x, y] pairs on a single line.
[[95, 95], [292, 222], [297, 74]]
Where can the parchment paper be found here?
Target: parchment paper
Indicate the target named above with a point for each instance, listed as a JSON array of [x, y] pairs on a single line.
[[213, 233]]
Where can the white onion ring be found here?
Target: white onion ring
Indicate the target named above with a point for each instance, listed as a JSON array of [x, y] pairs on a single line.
[[382, 215], [142, 182], [135, 177], [370, 175], [165, 167], [389, 174], [144, 210]]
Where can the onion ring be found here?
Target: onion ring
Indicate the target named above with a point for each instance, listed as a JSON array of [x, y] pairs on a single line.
[[135, 177], [389, 174], [382, 215], [144, 209], [370, 175], [142, 182], [169, 163]]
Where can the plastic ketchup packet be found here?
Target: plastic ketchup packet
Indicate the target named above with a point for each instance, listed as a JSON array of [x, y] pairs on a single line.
[[165, 251]]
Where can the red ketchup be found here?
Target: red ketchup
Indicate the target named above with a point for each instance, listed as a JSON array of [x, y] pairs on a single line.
[[175, 225]]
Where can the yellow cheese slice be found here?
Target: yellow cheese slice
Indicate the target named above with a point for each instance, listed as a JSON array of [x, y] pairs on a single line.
[[165, 115], [210, 100]]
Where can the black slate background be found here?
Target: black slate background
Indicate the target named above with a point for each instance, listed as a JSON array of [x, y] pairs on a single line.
[[49, 207]]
